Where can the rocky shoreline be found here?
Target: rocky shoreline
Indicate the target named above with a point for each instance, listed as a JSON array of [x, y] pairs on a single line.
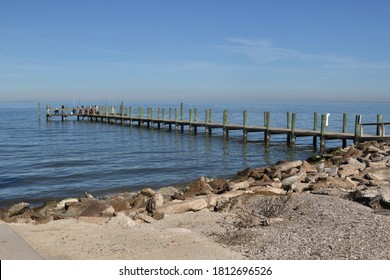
[[336, 206], [360, 173]]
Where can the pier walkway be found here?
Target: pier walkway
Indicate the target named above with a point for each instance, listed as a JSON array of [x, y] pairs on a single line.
[[125, 115]]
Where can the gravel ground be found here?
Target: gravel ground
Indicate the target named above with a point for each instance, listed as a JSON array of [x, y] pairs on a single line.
[[308, 227], [314, 227]]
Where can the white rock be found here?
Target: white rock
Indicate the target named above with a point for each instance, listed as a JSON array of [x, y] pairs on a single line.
[[182, 206], [61, 204], [121, 221]]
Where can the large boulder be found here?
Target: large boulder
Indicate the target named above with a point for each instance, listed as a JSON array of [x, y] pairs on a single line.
[[154, 202], [90, 208], [199, 187], [370, 197], [18, 209], [294, 178], [168, 191], [62, 203], [233, 186], [182, 206], [121, 221], [385, 194], [120, 203]]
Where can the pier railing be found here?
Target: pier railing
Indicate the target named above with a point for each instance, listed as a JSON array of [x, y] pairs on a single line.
[[176, 118]]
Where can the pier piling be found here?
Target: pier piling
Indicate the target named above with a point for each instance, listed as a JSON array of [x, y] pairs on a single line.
[[125, 115]]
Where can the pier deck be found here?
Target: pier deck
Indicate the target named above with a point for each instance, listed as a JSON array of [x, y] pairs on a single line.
[[126, 116]]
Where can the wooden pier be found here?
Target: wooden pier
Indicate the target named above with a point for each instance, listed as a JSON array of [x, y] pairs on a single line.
[[174, 119]]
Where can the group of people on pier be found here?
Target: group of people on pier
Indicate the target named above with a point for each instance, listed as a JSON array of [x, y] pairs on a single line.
[[83, 110], [89, 110]]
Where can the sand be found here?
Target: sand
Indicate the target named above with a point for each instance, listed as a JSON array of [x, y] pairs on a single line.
[[311, 227]]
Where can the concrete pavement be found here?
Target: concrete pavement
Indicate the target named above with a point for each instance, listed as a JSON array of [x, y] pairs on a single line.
[[13, 247]]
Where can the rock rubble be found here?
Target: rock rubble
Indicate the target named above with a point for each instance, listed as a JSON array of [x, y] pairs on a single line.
[[360, 173]]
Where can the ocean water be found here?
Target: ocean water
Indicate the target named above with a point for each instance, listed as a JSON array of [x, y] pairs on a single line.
[[41, 160]]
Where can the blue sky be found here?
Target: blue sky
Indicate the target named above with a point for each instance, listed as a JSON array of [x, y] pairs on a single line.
[[195, 50]]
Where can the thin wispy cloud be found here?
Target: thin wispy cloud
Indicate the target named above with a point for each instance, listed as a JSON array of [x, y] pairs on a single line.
[[265, 51], [80, 46]]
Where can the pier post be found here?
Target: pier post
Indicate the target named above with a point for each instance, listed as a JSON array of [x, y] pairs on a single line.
[[288, 127], [140, 122], [315, 128], [293, 128], [210, 120], [195, 114], [322, 136], [190, 119], [170, 118], [47, 113], [122, 114], [176, 118], [267, 123], [206, 121], [151, 122], [195, 120], [380, 129], [345, 125], [182, 117], [225, 122], [244, 125], [158, 118], [131, 115], [163, 117], [358, 128]]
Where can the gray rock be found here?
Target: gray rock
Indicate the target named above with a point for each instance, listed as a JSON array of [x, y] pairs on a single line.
[[330, 192], [340, 183], [18, 209], [309, 168], [62, 203], [218, 185], [182, 206], [238, 186], [156, 201], [378, 164], [121, 221], [331, 171], [369, 197], [371, 176], [108, 212], [352, 152], [346, 170], [381, 173], [140, 201], [199, 187], [292, 179], [168, 191], [148, 192], [90, 208], [145, 218], [321, 176], [320, 166], [373, 149], [300, 187], [287, 165], [120, 203], [385, 194]]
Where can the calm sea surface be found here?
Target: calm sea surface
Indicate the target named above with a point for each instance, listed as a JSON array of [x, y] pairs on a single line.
[[42, 160]]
